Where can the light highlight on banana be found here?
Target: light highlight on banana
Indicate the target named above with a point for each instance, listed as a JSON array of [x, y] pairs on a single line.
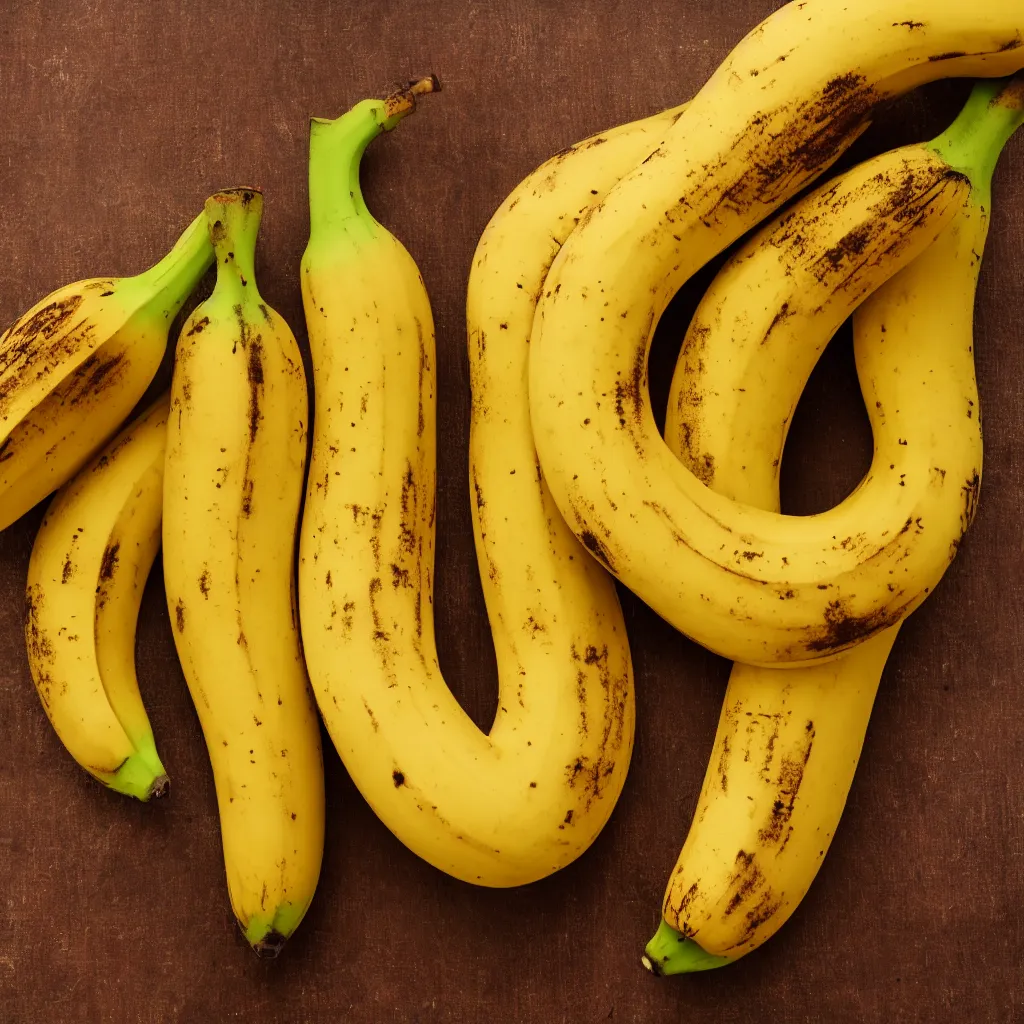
[[75, 365], [235, 458], [89, 565], [788, 741], [497, 809], [749, 584]]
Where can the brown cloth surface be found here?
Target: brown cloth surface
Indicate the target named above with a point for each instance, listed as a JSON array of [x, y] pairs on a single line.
[[119, 118]]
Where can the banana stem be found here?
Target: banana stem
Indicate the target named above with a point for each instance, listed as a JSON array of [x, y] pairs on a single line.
[[172, 279], [336, 149], [973, 142], [233, 221]]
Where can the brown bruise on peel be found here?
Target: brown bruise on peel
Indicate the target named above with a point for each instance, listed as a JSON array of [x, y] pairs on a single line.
[[907, 202], [254, 372], [749, 891], [109, 562], [409, 506], [898, 203], [35, 346], [806, 136], [587, 776], [970, 492], [790, 778], [40, 648], [631, 396], [843, 628]]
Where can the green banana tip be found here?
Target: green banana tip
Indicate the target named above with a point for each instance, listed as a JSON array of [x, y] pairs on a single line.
[[670, 952]]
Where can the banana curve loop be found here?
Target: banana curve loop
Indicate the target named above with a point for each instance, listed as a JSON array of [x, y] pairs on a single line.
[[787, 101]]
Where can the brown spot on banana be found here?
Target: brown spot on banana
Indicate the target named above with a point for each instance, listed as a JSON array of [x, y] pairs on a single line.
[[254, 369], [791, 775], [109, 562]]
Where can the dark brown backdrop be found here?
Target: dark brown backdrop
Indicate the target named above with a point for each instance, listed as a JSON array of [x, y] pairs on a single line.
[[118, 118]]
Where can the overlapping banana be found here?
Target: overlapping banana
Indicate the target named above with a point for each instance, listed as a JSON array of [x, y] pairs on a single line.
[[75, 365], [500, 808], [236, 452], [788, 741], [89, 565], [750, 584]]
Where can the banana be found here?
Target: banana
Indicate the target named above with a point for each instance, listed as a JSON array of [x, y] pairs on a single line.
[[501, 808], [788, 741], [236, 454], [89, 565], [749, 584], [75, 365]]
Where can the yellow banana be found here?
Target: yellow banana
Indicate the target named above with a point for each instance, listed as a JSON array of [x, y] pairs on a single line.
[[789, 740], [501, 808], [88, 568], [747, 583], [235, 457], [75, 365]]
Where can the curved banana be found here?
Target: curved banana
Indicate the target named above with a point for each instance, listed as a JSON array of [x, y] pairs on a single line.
[[89, 565], [497, 809], [749, 584], [75, 365], [788, 741], [235, 458]]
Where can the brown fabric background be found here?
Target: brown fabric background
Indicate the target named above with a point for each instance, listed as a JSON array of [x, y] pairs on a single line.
[[119, 118]]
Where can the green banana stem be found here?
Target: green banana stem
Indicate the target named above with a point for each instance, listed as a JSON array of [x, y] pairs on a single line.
[[973, 142], [136, 777], [671, 952], [233, 221], [336, 149], [169, 282]]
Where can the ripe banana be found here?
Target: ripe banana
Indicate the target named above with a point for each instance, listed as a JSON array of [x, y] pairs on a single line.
[[89, 565], [236, 453], [749, 584], [75, 365], [789, 740], [515, 804]]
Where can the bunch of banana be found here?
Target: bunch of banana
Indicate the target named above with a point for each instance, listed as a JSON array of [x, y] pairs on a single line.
[[75, 365], [789, 740], [236, 452], [517, 803], [89, 565], [747, 583]]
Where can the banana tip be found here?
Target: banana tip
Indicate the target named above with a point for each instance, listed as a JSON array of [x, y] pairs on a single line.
[[269, 946], [159, 788], [650, 965]]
